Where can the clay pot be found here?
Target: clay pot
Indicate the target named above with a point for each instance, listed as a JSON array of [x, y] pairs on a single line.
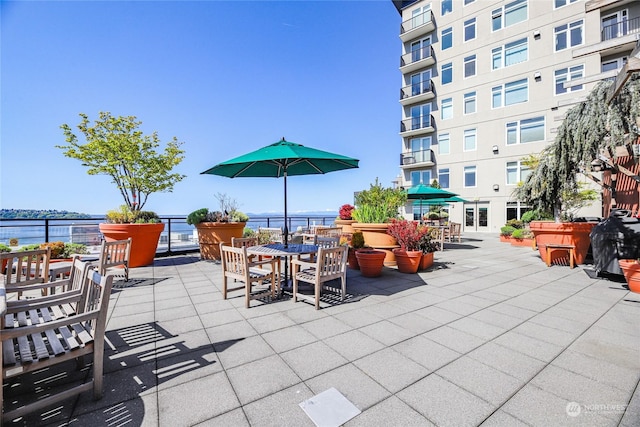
[[144, 240], [375, 236], [631, 270], [346, 225], [352, 260], [370, 261], [564, 233], [426, 261], [408, 261], [211, 234]]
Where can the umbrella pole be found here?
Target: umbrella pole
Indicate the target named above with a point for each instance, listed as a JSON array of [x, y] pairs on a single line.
[[286, 229]]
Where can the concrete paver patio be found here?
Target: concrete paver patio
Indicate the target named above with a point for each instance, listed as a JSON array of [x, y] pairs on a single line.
[[490, 336]]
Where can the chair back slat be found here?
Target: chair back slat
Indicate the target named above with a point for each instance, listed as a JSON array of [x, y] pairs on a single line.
[[332, 261], [234, 260]]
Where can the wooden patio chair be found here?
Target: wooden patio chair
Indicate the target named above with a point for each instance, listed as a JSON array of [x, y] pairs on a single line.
[[329, 231], [114, 254], [236, 265], [331, 264], [24, 268], [37, 336], [452, 232]]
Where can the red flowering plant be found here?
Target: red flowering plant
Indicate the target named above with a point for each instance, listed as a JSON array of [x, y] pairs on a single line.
[[407, 233], [345, 211]]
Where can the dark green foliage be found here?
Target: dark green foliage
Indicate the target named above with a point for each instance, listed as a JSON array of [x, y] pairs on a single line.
[[515, 223], [39, 214], [507, 230]]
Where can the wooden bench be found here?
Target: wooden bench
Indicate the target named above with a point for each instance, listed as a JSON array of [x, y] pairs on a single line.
[[571, 249], [36, 334]]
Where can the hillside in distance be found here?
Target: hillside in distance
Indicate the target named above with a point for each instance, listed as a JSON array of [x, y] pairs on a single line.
[[40, 214]]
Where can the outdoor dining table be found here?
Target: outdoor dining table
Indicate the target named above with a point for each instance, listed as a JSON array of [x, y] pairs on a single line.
[[281, 250]]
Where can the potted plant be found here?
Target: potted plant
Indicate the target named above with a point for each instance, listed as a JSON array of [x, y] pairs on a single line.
[[428, 245], [408, 234], [357, 243], [215, 227], [374, 209], [61, 251], [116, 148], [345, 219]]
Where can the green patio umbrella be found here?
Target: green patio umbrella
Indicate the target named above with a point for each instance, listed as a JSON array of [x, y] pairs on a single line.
[[425, 192], [282, 159], [439, 201]]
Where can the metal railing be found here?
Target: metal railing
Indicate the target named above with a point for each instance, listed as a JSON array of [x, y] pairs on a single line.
[[421, 156], [178, 236], [416, 55], [414, 123], [628, 26], [416, 89], [416, 21]]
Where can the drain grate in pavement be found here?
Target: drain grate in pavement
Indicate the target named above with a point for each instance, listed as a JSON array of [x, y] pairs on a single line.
[[329, 408]]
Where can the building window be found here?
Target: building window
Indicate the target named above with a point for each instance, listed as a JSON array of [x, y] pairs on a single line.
[[517, 172], [443, 177], [447, 6], [421, 149], [421, 49], [525, 131], [443, 144], [559, 3], [567, 74], [515, 210], [617, 25], [446, 73], [510, 54], [446, 39], [569, 35], [466, 2], [446, 108], [470, 140], [470, 66], [509, 14], [421, 177], [514, 93], [614, 64], [469, 176], [470, 102], [470, 29]]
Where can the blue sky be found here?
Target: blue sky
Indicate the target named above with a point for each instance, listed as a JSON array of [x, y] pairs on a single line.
[[224, 77]]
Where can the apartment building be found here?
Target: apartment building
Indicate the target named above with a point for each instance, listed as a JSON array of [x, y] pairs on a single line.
[[486, 83]]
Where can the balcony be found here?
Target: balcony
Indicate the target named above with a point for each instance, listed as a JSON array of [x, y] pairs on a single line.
[[415, 93], [417, 26], [614, 39], [414, 159], [416, 126], [417, 59]]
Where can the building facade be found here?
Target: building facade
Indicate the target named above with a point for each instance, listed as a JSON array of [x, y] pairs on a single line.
[[485, 83]]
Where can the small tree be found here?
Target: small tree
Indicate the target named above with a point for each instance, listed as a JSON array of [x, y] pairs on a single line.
[[115, 147], [589, 127]]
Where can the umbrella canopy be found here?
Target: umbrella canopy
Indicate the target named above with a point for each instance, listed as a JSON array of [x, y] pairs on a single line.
[[282, 159], [439, 201], [425, 192]]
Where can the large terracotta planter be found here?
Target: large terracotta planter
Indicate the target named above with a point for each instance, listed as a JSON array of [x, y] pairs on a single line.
[[144, 240], [631, 270], [370, 261], [346, 225], [505, 239], [426, 261], [408, 261], [375, 236], [564, 233], [211, 234], [523, 242]]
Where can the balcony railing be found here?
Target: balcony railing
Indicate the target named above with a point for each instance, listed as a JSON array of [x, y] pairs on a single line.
[[628, 26], [416, 89], [416, 55], [416, 21], [415, 157], [178, 236], [415, 123]]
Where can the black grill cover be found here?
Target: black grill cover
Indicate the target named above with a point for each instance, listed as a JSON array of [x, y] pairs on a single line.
[[613, 239]]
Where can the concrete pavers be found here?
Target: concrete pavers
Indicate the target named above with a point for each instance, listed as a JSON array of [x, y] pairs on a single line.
[[489, 336]]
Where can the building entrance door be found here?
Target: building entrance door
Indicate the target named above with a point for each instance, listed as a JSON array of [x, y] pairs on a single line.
[[476, 216]]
